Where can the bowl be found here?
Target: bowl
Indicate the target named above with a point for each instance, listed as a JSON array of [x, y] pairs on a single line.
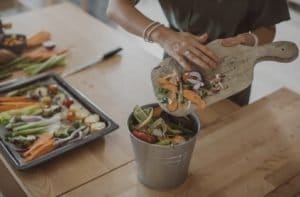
[[13, 42]]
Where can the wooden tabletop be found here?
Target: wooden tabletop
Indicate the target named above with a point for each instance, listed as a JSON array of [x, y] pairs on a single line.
[[116, 86], [253, 152]]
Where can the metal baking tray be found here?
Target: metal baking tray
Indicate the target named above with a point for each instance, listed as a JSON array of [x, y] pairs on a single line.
[[12, 155]]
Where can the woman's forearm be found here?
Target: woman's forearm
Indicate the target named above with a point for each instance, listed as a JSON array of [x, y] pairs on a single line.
[[265, 34], [127, 16]]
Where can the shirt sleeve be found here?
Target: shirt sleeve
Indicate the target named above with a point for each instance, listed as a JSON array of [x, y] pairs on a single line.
[[267, 13]]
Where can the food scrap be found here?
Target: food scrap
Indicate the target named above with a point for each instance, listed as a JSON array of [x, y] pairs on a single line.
[[32, 55], [177, 92], [154, 126]]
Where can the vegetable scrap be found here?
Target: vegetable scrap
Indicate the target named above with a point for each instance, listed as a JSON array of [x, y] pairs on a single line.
[[38, 39], [31, 55], [40, 118], [177, 92], [154, 126]]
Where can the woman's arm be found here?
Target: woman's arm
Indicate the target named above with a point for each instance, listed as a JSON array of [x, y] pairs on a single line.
[[264, 34], [184, 47], [127, 16]]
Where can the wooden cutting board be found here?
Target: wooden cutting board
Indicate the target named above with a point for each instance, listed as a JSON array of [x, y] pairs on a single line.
[[237, 64]]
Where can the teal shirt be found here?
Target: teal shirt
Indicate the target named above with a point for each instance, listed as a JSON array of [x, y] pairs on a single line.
[[223, 18]]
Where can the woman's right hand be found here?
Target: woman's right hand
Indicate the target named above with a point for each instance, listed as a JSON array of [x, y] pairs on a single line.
[[186, 48]]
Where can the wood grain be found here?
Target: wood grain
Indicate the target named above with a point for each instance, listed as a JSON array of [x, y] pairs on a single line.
[[116, 86], [245, 154]]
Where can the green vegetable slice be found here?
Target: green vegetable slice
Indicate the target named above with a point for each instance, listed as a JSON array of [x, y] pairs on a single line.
[[139, 114]]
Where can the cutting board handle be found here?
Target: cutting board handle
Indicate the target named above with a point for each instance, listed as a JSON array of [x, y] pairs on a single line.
[[282, 51]]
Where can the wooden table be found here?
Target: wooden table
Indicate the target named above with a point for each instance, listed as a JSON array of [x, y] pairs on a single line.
[[115, 85], [252, 152], [240, 152]]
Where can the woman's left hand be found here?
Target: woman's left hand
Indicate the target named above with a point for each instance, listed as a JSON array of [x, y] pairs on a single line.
[[244, 39]]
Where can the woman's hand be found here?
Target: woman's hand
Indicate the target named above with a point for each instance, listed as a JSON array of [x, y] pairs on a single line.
[[186, 48], [244, 39], [264, 35]]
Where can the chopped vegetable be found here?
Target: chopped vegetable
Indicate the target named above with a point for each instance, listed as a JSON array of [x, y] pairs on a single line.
[[161, 129], [71, 116], [14, 99], [36, 68], [63, 132], [91, 119], [7, 103], [52, 88], [68, 102], [145, 137], [14, 105], [179, 92], [195, 98], [38, 39], [30, 110], [22, 141], [34, 128], [53, 109], [178, 140], [97, 126], [59, 98], [43, 145]]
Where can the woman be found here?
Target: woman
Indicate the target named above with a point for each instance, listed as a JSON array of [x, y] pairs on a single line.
[[193, 23]]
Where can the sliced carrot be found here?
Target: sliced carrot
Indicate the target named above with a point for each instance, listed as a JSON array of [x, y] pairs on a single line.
[[44, 138], [45, 148], [13, 99], [11, 106], [169, 87], [173, 105], [38, 39], [17, 103], [42, 54], [164, 83], [194, 98]]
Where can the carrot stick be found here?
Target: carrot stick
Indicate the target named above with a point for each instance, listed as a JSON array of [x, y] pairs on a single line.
[[45, 148], [38, 39], [42, 54], [44, 138], [13, 99], [195, 98], [4, 108], [173, 105]]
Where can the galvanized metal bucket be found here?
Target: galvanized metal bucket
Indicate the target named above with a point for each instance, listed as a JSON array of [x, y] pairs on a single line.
[[163, 167]]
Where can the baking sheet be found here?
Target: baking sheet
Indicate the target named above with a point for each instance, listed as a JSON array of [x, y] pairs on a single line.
[[15, 159]]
